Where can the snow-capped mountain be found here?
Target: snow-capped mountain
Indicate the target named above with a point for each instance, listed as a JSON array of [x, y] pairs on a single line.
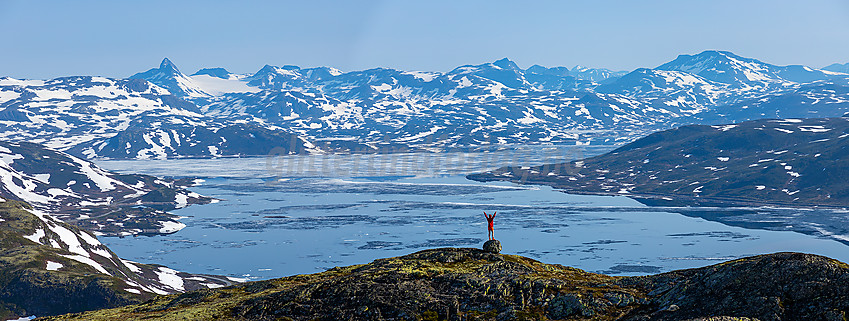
[[679, 92], [66, 112], [596, 75], [468, 106], [163, 113], [742, 73], [500, 103], [169, 77]]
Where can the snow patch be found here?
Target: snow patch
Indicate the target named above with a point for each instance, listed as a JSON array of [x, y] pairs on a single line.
[[217, 86], [171, 227], [182, 200], [170, 278], [724, 127], [39, 233], [53, 266], [88, 261], [130, 265]]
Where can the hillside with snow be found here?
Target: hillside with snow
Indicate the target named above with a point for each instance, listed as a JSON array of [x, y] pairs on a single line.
[[78, 192], [786, 162], [50, 268]]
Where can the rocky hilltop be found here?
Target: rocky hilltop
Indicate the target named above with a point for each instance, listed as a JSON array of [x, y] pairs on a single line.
[[471, 284], [789, 162]]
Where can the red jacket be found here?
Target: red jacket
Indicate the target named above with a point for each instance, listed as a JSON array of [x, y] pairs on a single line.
[[490, 219]]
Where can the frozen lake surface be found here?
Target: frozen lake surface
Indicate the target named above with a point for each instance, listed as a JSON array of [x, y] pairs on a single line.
[[303, 214]]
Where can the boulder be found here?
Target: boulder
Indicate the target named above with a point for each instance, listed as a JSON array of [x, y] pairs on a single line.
[[492, 246]]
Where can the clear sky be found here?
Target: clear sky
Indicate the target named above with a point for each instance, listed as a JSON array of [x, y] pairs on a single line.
[[44, 39]]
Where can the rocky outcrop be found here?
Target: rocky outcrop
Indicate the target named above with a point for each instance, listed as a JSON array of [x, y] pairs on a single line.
[[492, 246], [471, 284], [782, 286]]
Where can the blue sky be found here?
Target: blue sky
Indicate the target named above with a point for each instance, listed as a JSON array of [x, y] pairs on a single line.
[[43, 39]]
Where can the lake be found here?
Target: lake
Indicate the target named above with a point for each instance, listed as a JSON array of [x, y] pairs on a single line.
[[296, 214]]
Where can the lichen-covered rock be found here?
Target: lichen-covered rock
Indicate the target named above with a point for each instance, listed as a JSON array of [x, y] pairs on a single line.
[[492, 246], [781, 286], [568, 305]]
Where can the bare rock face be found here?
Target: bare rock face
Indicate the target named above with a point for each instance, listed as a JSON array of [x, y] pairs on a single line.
[[492, 246]]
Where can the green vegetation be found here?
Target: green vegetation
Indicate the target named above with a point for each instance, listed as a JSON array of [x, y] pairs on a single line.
[[28, 288]]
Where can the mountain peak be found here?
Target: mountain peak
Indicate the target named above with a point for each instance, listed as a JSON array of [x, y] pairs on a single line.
[[506, 64], [713, 52], [706, 56], [169, 77], [555, 71], [724, 67], [168, 65], [844, 68]]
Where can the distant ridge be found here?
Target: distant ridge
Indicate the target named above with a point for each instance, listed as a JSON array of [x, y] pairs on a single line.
[[780, 162]]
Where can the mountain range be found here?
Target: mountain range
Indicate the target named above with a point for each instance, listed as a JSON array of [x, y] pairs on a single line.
[[164, 113]]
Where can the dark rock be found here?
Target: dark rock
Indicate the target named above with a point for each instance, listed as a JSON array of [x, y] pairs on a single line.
[[492, 246], [569, 305]]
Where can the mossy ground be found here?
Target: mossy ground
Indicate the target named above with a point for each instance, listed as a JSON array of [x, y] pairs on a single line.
[[28, 288], [470, 284], [440, 284]]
